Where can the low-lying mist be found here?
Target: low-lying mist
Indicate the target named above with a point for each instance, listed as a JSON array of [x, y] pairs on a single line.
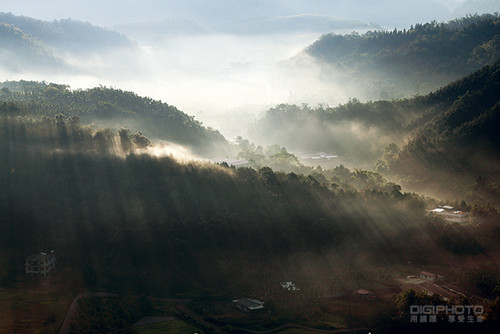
[[164, 149], [209, 75]]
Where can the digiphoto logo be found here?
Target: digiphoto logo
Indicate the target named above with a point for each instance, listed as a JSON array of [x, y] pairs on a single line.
[[451, 313]]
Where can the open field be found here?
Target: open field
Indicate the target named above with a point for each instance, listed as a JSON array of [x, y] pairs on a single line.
[[174, 327], [32, 310], [33, 307]]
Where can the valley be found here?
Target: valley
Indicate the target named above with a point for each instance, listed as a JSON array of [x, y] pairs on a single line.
[[290, 175]]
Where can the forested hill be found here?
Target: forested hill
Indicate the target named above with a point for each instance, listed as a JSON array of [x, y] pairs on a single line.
[[21, 52], [67, 34], [451, 134], [113, 108], [143, 224], [457, 139], [36, 46], [409, 61]]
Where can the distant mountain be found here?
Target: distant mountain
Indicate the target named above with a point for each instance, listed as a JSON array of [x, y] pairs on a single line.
[[67, 34], [304, 23], [293, 23], [21, 52], [114, 108], [30, 45], [456, 47], [398, 63], [155, 31]]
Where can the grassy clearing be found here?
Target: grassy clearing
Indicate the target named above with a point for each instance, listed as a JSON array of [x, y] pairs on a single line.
[[31, 309], [295, 331], [331, 320]]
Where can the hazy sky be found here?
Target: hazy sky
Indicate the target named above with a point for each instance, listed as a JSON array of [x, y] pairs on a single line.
[[389, 13]]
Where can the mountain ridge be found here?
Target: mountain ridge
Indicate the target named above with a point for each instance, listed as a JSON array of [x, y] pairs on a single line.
[[68, 34], [401, 63], [21, 52]]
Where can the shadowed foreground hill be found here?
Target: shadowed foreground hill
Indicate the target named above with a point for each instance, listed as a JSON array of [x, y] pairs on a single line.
[[129, 223], [139, 223], [107, 107]]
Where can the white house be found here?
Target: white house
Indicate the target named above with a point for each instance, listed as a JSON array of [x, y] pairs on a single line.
[[363, 293], [290, 286], [448, 213], [40, 264], [428, 276]]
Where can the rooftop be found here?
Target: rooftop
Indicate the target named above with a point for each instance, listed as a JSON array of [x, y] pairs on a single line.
[[40, 257], [290, 286], [363, 292], [252, 304]]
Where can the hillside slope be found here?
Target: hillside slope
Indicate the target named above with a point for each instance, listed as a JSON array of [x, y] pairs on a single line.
[[400, 63], [107, 107], [447, 137], [21, 52], [31, 46], [458, 147], [139, 223], [67, 34]]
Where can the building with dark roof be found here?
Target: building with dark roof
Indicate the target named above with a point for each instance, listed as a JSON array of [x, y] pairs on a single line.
[[247, 304]]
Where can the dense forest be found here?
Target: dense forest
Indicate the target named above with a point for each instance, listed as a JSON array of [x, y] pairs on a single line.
[[71, 188], [417, 60], [459, 147], [451, 134], [456, 47], [107, 107]]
